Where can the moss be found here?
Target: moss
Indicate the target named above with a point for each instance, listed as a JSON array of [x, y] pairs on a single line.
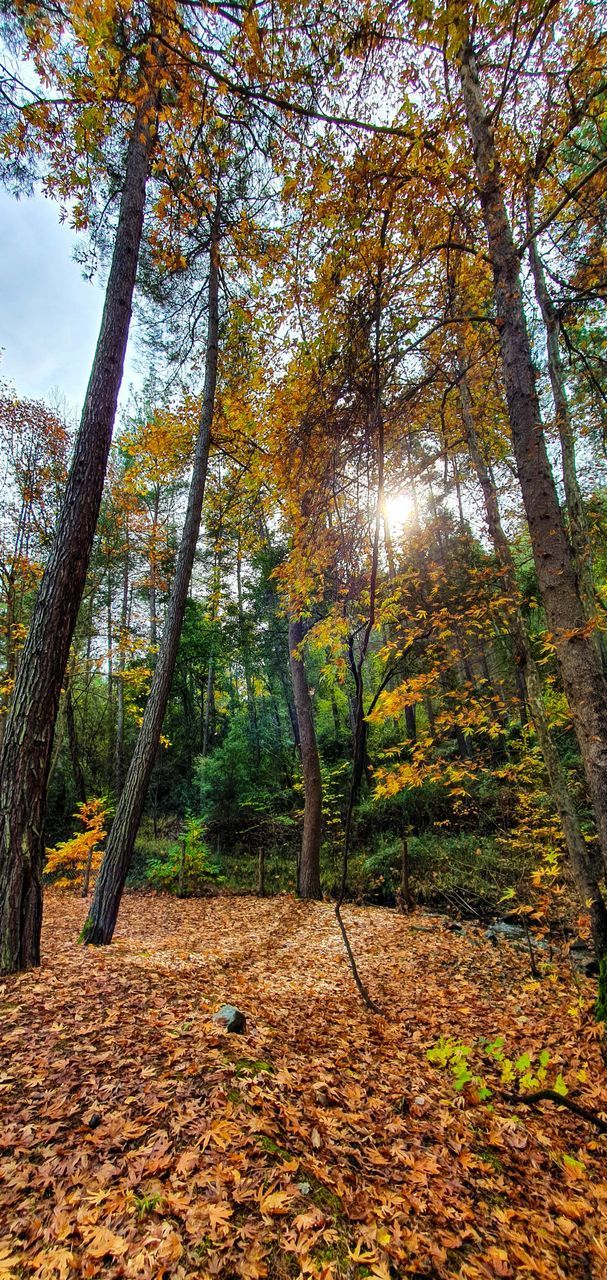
[[323, 1197], [268, 1144], [490, 1158], [203, 1248], [86, 930], [252, 1067], [600, 1008], [337, 1252]]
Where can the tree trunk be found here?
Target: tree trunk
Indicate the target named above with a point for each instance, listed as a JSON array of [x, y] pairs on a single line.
[[124, 617], [309, 862], [291, 710], [153, 597], [261, 872], [335, 714], [208, 710], [28, 736], [87, 875], [207, 728], [181, 881], [578, 660], [73, 745], [578, 523], [99, 927], [586, 881], [246, 659], [405, 897], [410, 722]]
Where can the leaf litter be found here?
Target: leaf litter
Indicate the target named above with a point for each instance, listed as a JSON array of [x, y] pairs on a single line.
[[140, 1140]]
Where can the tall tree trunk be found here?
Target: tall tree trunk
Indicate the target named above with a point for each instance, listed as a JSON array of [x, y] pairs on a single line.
[[99, 927], [208, 710], [335, 714], [410, 722], [246, 658], [291, 709], [110, 670], [153, 594], [72, 740], [28, 736], [578, 522], [585, 879], [124, 617], [578, 660], [309, 862]]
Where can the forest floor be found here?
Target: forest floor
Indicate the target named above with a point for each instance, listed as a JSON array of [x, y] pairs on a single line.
[[139, 1139]]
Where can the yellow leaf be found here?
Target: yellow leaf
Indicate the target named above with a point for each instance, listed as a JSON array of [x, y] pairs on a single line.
[[274, 1203], [104, 1241]]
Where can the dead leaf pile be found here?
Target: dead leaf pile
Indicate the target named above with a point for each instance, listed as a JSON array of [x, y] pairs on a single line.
[[140, 1140]]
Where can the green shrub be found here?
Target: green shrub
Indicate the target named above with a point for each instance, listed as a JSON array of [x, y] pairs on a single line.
[[375, 873], [186, 865]]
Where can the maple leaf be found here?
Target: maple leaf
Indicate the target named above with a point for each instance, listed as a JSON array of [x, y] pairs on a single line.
[[275, 1202], [103, 1241], [170, 1249]]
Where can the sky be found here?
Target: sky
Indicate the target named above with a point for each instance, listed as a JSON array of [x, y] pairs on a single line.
[[49, 314]]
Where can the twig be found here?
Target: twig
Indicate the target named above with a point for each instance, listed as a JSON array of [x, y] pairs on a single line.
[[366, 998], [535, 973], [550, 1095]]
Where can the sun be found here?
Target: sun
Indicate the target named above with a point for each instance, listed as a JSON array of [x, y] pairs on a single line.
[[398, 508]]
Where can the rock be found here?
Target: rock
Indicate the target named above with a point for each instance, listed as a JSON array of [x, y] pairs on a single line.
[[583, 959], [454, 926], [304, 1188], [506, 931], [231, 1018]]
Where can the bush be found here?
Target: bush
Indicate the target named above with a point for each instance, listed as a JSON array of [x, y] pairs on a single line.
[[185, 866], [375, 874]]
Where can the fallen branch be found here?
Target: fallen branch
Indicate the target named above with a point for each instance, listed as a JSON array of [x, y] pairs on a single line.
[[366, 998], [551, 1095]]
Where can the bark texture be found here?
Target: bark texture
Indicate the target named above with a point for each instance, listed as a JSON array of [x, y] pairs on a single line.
[[101, 922], [578, 523], [309, 863], [578, 660], [28, 736]]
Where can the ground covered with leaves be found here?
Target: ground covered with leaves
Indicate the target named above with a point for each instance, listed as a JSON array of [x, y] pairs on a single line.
[[141, 1140]]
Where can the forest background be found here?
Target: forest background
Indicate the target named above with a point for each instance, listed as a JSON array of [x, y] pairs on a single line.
[[381, 648]]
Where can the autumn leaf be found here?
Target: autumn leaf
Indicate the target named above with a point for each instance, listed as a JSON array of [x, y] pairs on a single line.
[[103, 1241]]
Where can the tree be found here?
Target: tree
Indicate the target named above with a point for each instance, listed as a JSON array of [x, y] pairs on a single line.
[[101, 921], [578, 659], [586, 880], [309, 860], [27, 742], [33, 443]]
